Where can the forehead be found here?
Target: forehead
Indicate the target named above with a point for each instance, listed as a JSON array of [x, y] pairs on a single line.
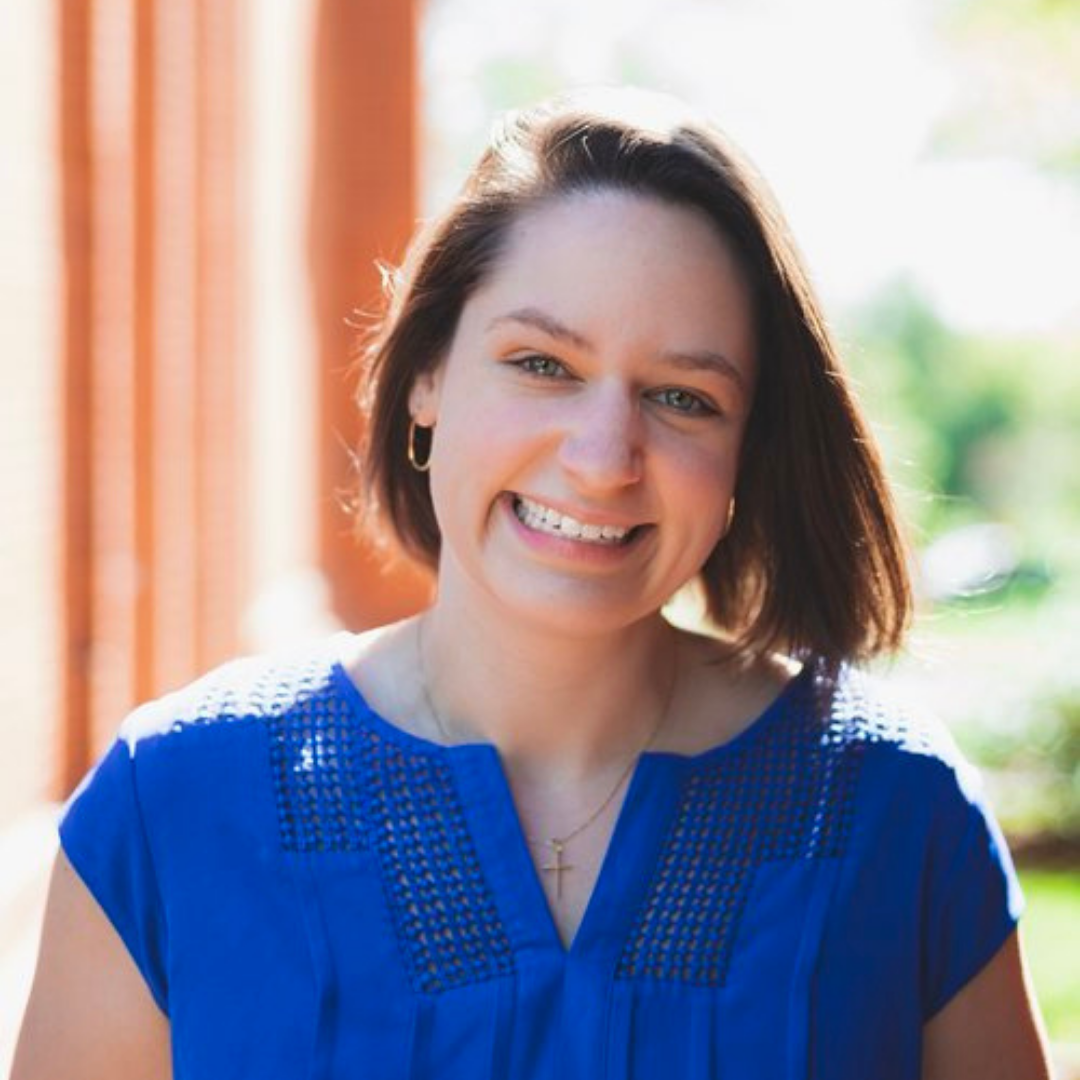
[[627, 221], [624, 265]]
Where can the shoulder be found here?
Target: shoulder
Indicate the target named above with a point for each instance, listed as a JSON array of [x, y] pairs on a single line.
[[262, 689], [904, 751], [775, 705], [242, 744], [831, 732], [858, 708]]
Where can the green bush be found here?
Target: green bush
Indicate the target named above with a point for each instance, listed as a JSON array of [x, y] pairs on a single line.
[[1034, 766]]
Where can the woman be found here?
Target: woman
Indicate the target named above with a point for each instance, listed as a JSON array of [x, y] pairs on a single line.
[[538, 831]]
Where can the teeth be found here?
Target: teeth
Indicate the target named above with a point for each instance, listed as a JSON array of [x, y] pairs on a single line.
[[543, 519]]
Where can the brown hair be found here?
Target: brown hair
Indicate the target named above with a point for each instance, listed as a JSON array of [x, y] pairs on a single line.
[[814, 563]]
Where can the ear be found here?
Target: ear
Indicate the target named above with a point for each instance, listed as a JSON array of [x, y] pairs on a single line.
[[424, 397]]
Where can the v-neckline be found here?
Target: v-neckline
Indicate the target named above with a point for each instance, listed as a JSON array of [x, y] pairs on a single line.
[[632, 853], [632, 849], [495, 829]]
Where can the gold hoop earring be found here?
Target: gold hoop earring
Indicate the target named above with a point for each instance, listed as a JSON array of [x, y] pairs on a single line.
[[410, 448], [730, 517]]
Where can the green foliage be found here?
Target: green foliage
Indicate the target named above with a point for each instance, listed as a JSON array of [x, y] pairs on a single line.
[[982, 428], [1036, 764], [1053, 947], [1005, 679]]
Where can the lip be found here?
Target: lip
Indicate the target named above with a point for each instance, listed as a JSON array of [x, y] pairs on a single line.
[[567, 550]]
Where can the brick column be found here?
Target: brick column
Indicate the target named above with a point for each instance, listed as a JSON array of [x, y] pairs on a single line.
[[363, 208], [153, 429]]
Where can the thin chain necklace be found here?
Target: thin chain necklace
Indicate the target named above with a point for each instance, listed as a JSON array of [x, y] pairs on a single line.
[[557, 844]]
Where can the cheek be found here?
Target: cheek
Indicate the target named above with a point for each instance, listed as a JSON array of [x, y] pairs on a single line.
[[480, 448], [704, 480], [493, 432]]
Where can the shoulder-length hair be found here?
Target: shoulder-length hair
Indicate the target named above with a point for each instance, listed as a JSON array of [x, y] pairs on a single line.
[[814, 563]]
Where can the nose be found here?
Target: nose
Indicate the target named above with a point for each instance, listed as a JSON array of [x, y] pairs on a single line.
[[603, 447]]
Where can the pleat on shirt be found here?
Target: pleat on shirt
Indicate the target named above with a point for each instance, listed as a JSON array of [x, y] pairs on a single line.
[[620, 1032], [502, 1028]]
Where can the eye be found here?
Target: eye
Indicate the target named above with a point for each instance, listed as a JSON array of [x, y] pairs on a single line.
[[684, 401], [544, 367]]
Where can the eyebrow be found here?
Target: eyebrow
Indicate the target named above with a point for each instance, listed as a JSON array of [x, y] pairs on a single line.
[[546, 323], [695, 360], [706, 360]]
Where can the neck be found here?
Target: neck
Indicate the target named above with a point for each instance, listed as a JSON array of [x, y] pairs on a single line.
[[542, 697]]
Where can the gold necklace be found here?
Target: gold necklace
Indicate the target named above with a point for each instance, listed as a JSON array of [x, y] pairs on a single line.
[[557, 844]]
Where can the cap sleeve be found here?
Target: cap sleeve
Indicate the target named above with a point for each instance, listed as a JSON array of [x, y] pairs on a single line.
[[103, 835], [973, 897]]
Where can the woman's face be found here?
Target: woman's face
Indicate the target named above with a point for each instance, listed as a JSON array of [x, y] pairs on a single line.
[[589, 413]]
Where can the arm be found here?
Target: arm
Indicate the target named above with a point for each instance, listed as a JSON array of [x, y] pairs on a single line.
[[991, 1029], [90, 1013]]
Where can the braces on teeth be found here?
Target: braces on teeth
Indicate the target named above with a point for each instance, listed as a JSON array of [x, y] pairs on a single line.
[[544, 519]]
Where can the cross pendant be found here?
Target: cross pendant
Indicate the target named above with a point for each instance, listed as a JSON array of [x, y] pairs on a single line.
[[558, 867]]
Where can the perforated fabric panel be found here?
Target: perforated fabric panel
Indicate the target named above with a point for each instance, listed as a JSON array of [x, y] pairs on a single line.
[[341, 787], [787, 793]]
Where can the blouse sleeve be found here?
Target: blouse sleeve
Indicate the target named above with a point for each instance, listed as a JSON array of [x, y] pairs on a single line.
[[973, 899], [103, 835]]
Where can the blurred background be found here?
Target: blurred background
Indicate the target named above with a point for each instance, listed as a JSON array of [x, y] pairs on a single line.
[[194, 196]]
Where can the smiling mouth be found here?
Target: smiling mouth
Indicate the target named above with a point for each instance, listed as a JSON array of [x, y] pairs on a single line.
[[544, 519]]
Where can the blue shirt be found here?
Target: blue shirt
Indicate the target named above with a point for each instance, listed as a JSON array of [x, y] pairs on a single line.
[[312, 892]]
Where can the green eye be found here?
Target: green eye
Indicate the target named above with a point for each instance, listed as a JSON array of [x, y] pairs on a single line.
[[683, 401], [544, 366]]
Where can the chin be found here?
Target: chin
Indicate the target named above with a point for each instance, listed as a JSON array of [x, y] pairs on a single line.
[[572, 609]]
